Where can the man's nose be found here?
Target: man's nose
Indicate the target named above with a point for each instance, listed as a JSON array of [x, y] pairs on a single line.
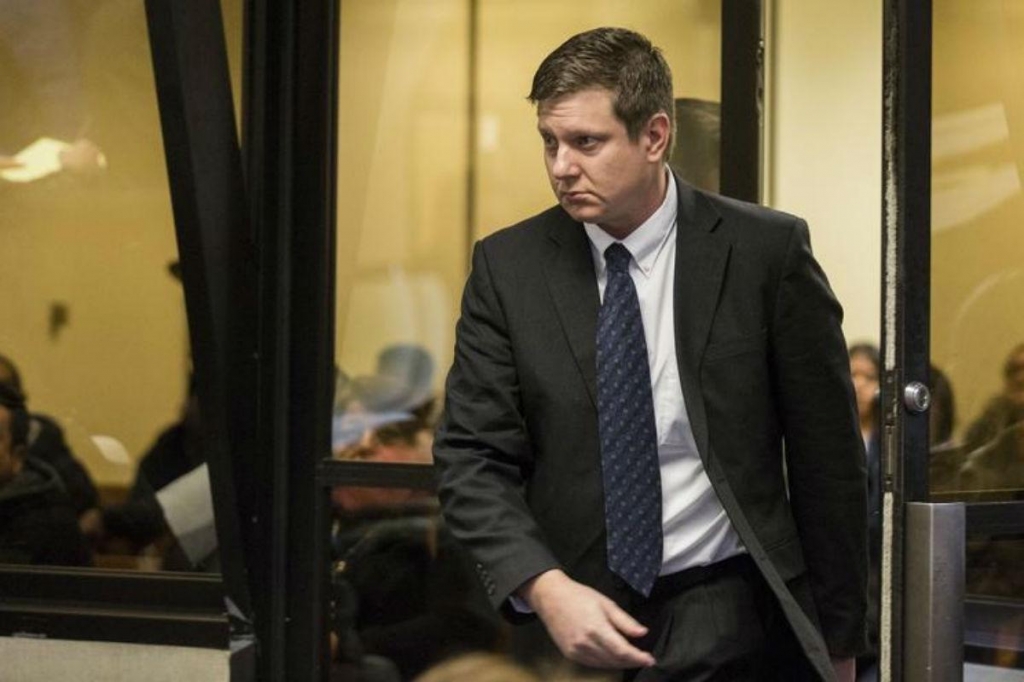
[[564, 163]]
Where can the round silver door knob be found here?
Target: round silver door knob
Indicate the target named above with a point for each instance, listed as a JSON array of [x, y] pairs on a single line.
[[917, 397]]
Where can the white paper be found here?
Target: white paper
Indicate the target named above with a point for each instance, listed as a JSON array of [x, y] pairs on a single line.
[[188, 508]]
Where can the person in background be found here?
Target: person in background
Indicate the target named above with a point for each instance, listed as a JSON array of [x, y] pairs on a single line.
[[139, 521], [46, 443], [994, 442], [478, 667], [1004, 409], [865, 370], [489, 667], [942, 412], [37, 522], [403, 589]]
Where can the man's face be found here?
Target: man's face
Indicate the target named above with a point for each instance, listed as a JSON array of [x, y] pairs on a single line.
[[10, 461], [597, 173]]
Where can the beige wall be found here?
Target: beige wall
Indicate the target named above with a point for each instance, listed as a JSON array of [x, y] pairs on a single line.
[[824, 142]]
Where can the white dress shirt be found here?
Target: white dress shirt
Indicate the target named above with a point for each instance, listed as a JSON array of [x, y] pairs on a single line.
[[695, 527]]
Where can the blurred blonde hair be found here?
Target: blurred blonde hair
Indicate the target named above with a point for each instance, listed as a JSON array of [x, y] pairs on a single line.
[[480, 667], [487, 667]]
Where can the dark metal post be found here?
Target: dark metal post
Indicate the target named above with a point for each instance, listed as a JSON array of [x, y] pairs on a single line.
[[742, 53], [218, 263], [906, 158], [291, 140]]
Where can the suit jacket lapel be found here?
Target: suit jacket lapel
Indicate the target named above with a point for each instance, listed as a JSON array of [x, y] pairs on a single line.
[[571, 279], [701, 256]]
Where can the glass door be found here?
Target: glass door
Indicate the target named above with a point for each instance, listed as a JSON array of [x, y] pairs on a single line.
[[954, 158], [976, 438]]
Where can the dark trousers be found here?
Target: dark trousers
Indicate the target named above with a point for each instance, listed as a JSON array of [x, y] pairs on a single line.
[[718, 623]]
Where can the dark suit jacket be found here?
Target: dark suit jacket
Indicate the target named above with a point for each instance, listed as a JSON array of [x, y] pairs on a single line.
[[762, 362]]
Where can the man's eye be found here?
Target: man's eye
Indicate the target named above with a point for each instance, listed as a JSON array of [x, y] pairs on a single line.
[[585, 142]]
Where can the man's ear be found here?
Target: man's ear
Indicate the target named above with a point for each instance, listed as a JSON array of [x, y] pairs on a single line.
[[656, 134]]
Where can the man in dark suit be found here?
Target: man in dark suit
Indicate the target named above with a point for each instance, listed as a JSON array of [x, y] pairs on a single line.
[[650, 439]]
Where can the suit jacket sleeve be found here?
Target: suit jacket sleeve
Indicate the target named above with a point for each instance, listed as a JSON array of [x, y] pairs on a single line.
[[482, 450], [824, 452]]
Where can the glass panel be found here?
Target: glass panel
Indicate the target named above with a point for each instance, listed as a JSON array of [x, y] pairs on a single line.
[[404, 594], [94, 328], [437, 148], [994, 613], [977, 284], [977, 333]]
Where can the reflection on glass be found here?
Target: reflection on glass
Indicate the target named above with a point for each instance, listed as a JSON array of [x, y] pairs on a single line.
[[977, 334], [93, 332], [977, 281]]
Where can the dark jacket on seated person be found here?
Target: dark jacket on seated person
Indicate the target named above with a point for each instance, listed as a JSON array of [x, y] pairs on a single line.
[[46, 442], [38, 524]]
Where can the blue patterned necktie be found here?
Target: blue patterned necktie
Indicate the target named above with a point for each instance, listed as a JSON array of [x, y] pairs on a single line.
[[629, 441]]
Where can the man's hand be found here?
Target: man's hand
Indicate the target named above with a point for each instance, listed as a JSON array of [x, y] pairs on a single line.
[[588, 627], [846, 669]]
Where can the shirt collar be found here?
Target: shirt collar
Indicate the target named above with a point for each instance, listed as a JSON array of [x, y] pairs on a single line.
[[646, 242]]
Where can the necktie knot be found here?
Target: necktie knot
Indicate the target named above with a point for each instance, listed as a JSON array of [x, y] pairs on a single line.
[[617, 257]]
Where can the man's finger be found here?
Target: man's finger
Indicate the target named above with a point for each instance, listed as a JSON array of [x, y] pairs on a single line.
[[619, 653], [623, 622]]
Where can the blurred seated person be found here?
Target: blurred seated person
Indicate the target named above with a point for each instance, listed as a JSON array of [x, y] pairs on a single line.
[[403, 590], [1003, 410], [37, 521], [946, 455], [942, 412], [46, 443], [385, 417], [140, 521], [998, 464]]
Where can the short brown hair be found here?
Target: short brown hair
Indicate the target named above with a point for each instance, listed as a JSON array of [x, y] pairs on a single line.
[[619, 60]]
